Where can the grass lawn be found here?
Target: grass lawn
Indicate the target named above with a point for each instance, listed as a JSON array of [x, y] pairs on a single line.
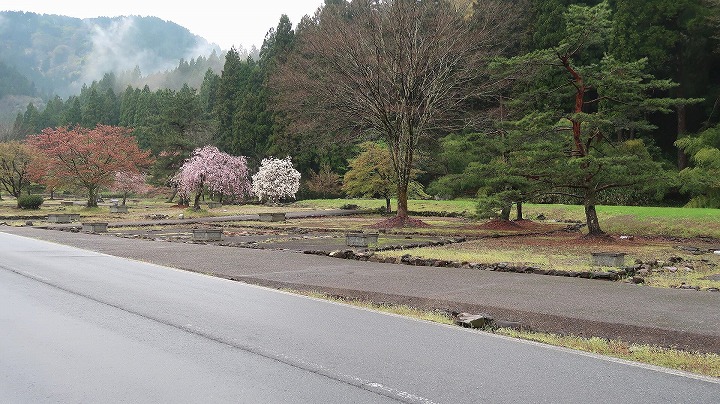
[[459, 206], [626, 220], [569, 252], [138, 209]]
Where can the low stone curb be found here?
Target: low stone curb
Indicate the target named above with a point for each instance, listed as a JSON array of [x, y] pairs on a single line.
[[407, 259]]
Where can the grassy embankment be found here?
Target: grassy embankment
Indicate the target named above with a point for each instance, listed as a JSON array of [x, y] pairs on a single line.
[[707, 364]]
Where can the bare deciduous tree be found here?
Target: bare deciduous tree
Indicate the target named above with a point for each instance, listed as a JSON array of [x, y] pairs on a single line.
[[397, 69]]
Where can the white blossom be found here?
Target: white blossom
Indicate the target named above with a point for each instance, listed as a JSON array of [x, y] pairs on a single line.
[[276, 179]]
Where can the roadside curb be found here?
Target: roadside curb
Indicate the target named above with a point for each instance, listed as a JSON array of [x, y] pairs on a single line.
[[518, 319], [628, 273]]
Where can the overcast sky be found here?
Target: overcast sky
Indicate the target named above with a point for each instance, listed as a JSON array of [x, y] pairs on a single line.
[[224, 23]]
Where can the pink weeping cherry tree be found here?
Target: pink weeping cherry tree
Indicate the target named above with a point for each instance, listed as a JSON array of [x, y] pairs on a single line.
[[209, 169], [129, 182]]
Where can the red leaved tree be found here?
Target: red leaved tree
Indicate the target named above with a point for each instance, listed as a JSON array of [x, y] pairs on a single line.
[[86, 158]]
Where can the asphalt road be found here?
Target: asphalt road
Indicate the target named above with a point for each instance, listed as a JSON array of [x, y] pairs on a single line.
[[656, 316], [79, 326]]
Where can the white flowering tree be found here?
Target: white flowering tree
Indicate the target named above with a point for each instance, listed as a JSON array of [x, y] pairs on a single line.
[[276, 179], [210, 169]]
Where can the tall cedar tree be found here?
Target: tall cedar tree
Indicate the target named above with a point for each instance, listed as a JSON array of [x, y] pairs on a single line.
[[400, 70], [241, 128], [180, 127], [677, 36]]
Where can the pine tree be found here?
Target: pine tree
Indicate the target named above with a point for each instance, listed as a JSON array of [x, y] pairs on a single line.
[[128, 106], [229, 87], [73, 114], [570, 127]]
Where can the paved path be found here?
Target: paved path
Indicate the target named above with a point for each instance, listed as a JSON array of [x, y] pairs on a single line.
[[684, 318]]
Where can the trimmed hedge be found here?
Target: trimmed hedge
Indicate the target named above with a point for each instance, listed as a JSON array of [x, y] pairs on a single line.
[[30, 202]]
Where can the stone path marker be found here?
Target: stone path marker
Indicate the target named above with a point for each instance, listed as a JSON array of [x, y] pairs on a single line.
[[95, 227], [361, 239], [207, 234], [608, 259], [272, 217], [60, 217]]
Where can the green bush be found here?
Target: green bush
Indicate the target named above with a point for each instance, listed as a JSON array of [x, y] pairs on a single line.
[[30, 202]]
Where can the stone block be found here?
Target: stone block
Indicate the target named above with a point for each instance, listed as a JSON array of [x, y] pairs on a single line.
[[95, 227], [207, 234], [473, 321], [608, 259], [361, 239], [59, 218], [118, 209], [272, 217]]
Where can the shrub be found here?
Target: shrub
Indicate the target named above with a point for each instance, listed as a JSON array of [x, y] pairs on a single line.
[[30, 202]]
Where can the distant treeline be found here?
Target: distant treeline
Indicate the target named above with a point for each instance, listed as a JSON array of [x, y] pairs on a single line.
[[232, 106]]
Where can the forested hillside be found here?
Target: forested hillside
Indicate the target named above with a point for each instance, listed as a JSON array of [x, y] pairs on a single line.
[[552, 100], [48, 55]]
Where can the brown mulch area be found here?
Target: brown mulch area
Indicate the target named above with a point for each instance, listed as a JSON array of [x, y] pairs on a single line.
[[512, 225], [566, 240]]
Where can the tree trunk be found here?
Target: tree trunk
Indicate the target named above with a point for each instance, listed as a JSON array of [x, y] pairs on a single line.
[[591, 218], [579, 103], [124, 199], [682, 158], [175, 191], [196, 204], [52, 194], [402, 204], [92, 197], [505, 212], [388, 208], [519, 210]]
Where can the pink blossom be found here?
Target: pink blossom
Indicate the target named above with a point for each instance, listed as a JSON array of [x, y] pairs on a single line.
[[218, 172]]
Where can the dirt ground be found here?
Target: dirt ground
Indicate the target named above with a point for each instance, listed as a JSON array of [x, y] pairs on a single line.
[[659, 261]]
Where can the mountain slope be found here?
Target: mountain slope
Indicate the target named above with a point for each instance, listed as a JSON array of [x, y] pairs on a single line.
[[59, 54]]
